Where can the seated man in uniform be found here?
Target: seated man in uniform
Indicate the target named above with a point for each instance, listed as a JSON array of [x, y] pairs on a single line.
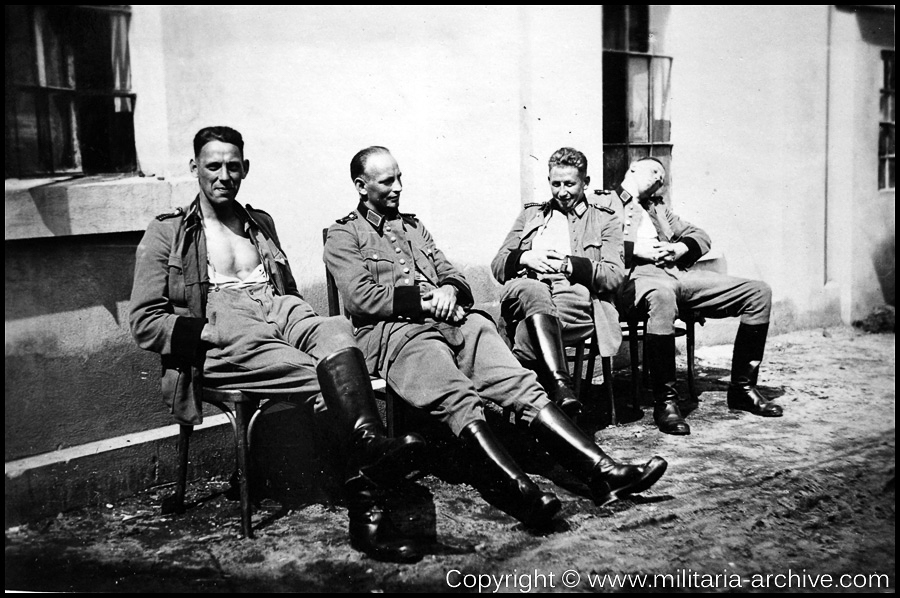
[[214, 296], [660, 249], [408, 305], [561, 266]]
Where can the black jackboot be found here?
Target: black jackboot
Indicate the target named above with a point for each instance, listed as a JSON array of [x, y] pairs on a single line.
[[749, 345], [347, 391], [577, 452], [508, 484], [553, 370], [370, 526], [659, 349]]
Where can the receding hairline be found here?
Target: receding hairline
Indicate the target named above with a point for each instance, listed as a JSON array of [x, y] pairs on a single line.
[[360, 160]]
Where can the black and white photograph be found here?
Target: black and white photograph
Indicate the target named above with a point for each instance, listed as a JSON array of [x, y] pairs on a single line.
[[450, 299]]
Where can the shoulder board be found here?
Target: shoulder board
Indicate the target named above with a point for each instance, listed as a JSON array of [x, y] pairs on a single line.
[[602, 202], [173, 214], [536, 204], [250, 208], [351, 216], [411, 218], [602, 192]]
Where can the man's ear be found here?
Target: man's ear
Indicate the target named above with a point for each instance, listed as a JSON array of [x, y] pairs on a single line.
[[587, 180], [193, 167], [360, 185], [246, 169]]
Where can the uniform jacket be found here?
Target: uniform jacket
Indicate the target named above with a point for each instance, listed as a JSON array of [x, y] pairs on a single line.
[[595, 236], [375, 271], [168, 299], [669, 228]]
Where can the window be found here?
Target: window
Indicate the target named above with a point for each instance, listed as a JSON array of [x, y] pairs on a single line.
[[636, 93], [886, 133], [69, 106]]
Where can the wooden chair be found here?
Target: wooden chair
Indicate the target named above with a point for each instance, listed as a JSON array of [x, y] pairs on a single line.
[[591, 346], [634, 329], [242, 409]]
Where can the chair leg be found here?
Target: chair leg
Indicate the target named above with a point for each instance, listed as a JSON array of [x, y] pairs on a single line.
[[606, 363], [176, 503], [689, 325], [579, 371], [633, 341], [242, 413]]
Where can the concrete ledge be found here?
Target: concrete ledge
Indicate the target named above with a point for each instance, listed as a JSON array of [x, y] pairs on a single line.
[[56, 207], [102, 472]]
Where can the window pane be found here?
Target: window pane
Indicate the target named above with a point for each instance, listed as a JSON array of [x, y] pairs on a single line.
[[614, 27], [53, 55], [615, 163], [639, 27], [20, 59], [26, 127], [886, 140], [886, 173], [93, 50], [888, 58], [638, 96], [61, 133], [615, 91], [887, 106], [661, 129], [106, 136]]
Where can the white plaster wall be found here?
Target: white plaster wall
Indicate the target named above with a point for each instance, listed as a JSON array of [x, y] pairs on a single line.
[[749, 89]]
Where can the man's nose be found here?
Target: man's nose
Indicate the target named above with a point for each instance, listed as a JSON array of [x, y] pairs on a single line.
[[223, 174], [397, 187]]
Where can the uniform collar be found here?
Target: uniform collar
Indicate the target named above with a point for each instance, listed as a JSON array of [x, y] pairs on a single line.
[[624, 195], [378, 220], [194, 217], [579, 209]]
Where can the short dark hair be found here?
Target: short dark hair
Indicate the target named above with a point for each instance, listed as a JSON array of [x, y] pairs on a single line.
[[358, 163], [567, 156], [223, 134]]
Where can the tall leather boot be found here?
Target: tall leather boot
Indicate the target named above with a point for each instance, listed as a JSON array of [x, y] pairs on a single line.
[[660, 350], [553, 370], [508, 484], [749, 345], [576, 451], [347, 391], [371, 531]]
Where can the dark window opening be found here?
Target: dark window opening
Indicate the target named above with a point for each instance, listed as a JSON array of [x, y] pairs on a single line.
[[69, 105], [636, 94], [886, 126]]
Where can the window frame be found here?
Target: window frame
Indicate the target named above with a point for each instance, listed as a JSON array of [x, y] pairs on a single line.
[[42, 94]]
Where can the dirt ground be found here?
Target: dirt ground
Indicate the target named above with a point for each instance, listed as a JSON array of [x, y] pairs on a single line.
[[747, 503]]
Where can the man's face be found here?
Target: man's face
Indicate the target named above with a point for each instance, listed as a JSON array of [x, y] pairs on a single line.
[[567, 186], [380, 186], [649, 176], [219, 169]]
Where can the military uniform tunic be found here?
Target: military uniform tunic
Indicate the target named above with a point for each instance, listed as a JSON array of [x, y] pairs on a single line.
[[664, 290], [584, 301], [382, 267]]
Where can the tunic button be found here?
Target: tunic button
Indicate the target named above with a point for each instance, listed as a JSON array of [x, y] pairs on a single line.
[[406, 280], [387, 227], [375, 256], [402, 261], [397, 249], [393, 238], [406, 270]]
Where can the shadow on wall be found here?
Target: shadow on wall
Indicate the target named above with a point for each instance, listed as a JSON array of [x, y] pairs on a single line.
[[65, 274], [885, 263]]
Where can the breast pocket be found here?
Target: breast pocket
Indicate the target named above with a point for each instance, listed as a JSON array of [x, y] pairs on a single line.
[[380, 265]]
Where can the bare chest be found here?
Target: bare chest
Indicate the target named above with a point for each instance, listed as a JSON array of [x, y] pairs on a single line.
[[231, 254]]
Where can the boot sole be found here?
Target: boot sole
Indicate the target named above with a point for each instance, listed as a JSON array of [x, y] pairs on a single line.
[[656, 467], [549, 507], [388, 554]]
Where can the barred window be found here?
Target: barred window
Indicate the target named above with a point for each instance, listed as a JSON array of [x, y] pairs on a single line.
[[69, 105], [636, 93], [886, 132]]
